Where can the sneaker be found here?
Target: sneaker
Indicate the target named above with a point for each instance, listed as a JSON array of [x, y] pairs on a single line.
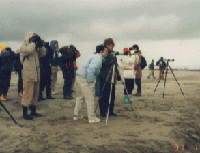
[[77, 117], [53, 93], [95, 120]]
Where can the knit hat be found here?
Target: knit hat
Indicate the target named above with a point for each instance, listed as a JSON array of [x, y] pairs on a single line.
[[3, 47], [126, 50]]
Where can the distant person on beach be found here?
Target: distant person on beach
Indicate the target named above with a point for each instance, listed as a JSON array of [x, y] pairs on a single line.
[[151, 68], [162, 65], [85, 77], [128, 62], [30, 52], [8, 57]]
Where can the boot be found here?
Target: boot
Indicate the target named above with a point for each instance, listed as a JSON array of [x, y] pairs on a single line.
[[25, 115], [130, 98], [126, 100], [33, 111], [40, 97], [64, 97], [3, 98], [70, 96], [7, 97], [137, 94], [21, 94], [48, 96]]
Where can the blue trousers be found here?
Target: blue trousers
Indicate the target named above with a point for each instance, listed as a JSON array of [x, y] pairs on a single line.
[[97, 87]]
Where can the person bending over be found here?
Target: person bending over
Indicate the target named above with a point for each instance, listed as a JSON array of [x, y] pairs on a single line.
[[85, 77]]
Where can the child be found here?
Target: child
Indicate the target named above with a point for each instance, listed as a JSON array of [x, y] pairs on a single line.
[[85, 77]]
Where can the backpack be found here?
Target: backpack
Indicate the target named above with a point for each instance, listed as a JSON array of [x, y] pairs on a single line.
[[143, 62]]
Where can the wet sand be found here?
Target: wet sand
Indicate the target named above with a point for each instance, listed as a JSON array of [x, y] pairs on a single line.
[[150, 124]]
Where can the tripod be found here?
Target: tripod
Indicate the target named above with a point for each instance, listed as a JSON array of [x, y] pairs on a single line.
[[2, 105], [111, 72], [166, 79]]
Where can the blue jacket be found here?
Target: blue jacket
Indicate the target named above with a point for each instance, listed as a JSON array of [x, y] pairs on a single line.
[[55, 60], [91, 68], [8, 59]]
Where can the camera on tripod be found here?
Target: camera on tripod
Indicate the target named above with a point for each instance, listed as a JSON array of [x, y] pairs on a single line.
[[171, 60]]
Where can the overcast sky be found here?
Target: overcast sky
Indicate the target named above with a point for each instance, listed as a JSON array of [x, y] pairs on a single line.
[[168, 28]]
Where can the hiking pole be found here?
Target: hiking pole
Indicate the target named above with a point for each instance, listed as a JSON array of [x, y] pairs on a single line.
[[2, 105]]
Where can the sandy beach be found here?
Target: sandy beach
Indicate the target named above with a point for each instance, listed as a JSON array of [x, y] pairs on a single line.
[[151, 124]]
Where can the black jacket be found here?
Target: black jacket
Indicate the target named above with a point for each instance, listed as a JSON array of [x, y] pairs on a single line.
[[17, 65], [110, 60]]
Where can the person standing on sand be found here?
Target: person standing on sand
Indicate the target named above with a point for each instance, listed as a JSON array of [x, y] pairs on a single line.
[[54, 65], [138, 70], [151, 68], [162, 65], [29, 56], [128, 62], [85, 77], [8, 57]]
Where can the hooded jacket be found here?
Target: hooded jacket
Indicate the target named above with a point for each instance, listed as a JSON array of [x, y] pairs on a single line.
[[29, 56], [8, 58], [55, 60]]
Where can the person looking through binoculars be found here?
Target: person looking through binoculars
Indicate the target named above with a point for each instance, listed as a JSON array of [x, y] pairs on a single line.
[[30, 52]]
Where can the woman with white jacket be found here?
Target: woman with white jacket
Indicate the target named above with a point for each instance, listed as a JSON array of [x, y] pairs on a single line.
[[128, 62]]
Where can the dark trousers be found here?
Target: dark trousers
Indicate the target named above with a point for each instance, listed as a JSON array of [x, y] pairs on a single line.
[[129, 86], [97, 87], [45, 81], [67, 87], [138, 83], [20, 82], [5, 81], [105, 95]]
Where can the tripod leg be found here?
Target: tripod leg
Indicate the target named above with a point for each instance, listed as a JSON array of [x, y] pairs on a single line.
[[102, 90], [165, 80], [112, 83], [8, 112], [176, 80], [158, 82]]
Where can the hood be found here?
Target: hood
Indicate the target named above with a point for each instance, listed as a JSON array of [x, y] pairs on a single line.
[[28, 35], [3, 47], [52, 44]]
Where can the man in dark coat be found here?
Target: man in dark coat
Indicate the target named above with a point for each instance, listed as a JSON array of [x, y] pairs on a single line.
[[45, 73], [18, 68], [105, 79], [66, 64]]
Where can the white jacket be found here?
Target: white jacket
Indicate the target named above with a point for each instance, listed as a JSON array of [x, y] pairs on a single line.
[[128, 66]]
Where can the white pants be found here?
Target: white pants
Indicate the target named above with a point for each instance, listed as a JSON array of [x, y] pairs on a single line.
[[85, 93]]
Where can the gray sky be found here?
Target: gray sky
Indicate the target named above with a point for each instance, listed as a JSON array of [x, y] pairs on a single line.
[[168, 28]]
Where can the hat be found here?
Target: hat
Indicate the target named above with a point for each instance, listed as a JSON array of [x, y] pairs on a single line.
[[3, 47], [126, 50]]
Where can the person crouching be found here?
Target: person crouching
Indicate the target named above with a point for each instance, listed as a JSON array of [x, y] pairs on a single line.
[[85, 77]]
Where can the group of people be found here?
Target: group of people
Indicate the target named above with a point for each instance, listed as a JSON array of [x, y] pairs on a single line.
[[37, 62]]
